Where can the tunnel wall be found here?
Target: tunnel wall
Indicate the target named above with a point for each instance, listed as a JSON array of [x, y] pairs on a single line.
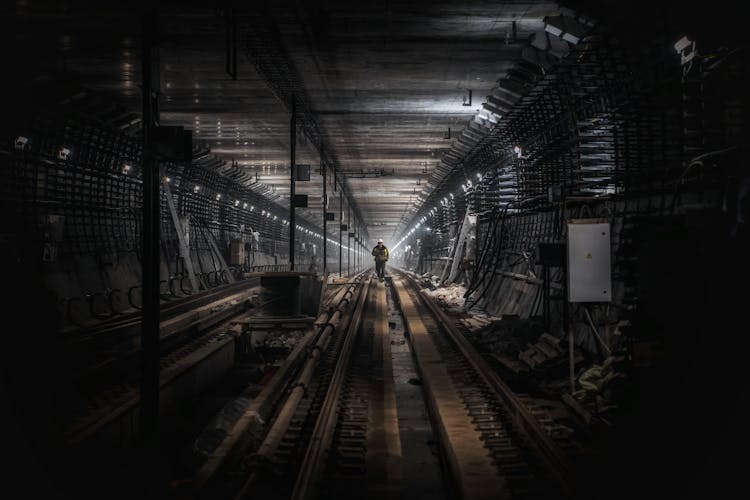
[[81, 216], [622, 130]]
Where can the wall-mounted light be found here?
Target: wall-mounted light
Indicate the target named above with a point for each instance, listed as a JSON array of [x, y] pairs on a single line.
[[686, 48], [126, 168], [196, 188], [236, 203], [244, 205], [218, 196], [64, 153], [21, 142]]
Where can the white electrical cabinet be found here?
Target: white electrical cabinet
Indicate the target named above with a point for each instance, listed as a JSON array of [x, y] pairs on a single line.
[[589, 261]]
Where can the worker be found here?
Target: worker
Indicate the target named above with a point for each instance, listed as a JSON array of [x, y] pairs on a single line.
[[380, 252]]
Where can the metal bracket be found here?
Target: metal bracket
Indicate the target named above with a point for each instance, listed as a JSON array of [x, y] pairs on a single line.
[[184, 246]]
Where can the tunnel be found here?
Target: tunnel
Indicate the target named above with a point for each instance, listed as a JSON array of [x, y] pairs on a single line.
[[324, 249]]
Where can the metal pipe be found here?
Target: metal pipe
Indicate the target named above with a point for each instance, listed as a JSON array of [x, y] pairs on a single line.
[[326, 422], [276, 433], [274, 436]]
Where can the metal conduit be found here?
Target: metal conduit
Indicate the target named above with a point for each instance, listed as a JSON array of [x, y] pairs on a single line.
[[281, 423]]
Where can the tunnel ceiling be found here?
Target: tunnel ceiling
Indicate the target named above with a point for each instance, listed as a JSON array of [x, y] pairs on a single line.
[[385, 83]]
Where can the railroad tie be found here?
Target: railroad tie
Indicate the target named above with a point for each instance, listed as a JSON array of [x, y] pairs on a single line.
[[471, 465], [383, 440]]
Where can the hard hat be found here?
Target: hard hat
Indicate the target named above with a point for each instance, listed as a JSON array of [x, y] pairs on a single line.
[[380, 240]]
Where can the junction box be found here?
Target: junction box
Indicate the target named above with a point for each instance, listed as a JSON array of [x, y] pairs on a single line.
[[589, 261]]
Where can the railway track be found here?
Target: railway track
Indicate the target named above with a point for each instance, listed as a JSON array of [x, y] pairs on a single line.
[[192, 330], [96, 352], [353, 432], [260, 439], [130, 322]]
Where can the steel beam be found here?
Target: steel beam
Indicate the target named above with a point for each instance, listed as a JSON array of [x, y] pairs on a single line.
[[292, 147], [149, 383]]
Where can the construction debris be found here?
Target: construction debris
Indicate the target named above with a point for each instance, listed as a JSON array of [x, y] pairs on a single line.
[[519, 346], [450, 297], [430, 281], [275, 343], [547, 348], [283, 339], [600, 386], [222, 424], [521, 349]]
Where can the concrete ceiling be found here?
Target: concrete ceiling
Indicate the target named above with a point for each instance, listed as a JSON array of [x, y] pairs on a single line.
[[385, 81]]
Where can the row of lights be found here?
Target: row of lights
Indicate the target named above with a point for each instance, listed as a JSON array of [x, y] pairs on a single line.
[[264, 213], [64, 154], [444, 202]]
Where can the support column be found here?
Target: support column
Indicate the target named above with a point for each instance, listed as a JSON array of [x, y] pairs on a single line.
[[325, 209], [292, 147], [348, 238], [149, 383], [341, 222]]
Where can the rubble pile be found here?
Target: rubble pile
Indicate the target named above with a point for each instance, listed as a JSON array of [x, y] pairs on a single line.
[[521, 347], [524, 353], [507, 334], [599, 389], [479, 321], [284, 340], [428, 280], [275, 343], [450, 297]]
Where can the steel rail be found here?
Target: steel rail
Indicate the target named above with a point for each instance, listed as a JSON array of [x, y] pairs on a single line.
[[325, 425], [283, 418], [236, 442], [526, 422], [174, 307]]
